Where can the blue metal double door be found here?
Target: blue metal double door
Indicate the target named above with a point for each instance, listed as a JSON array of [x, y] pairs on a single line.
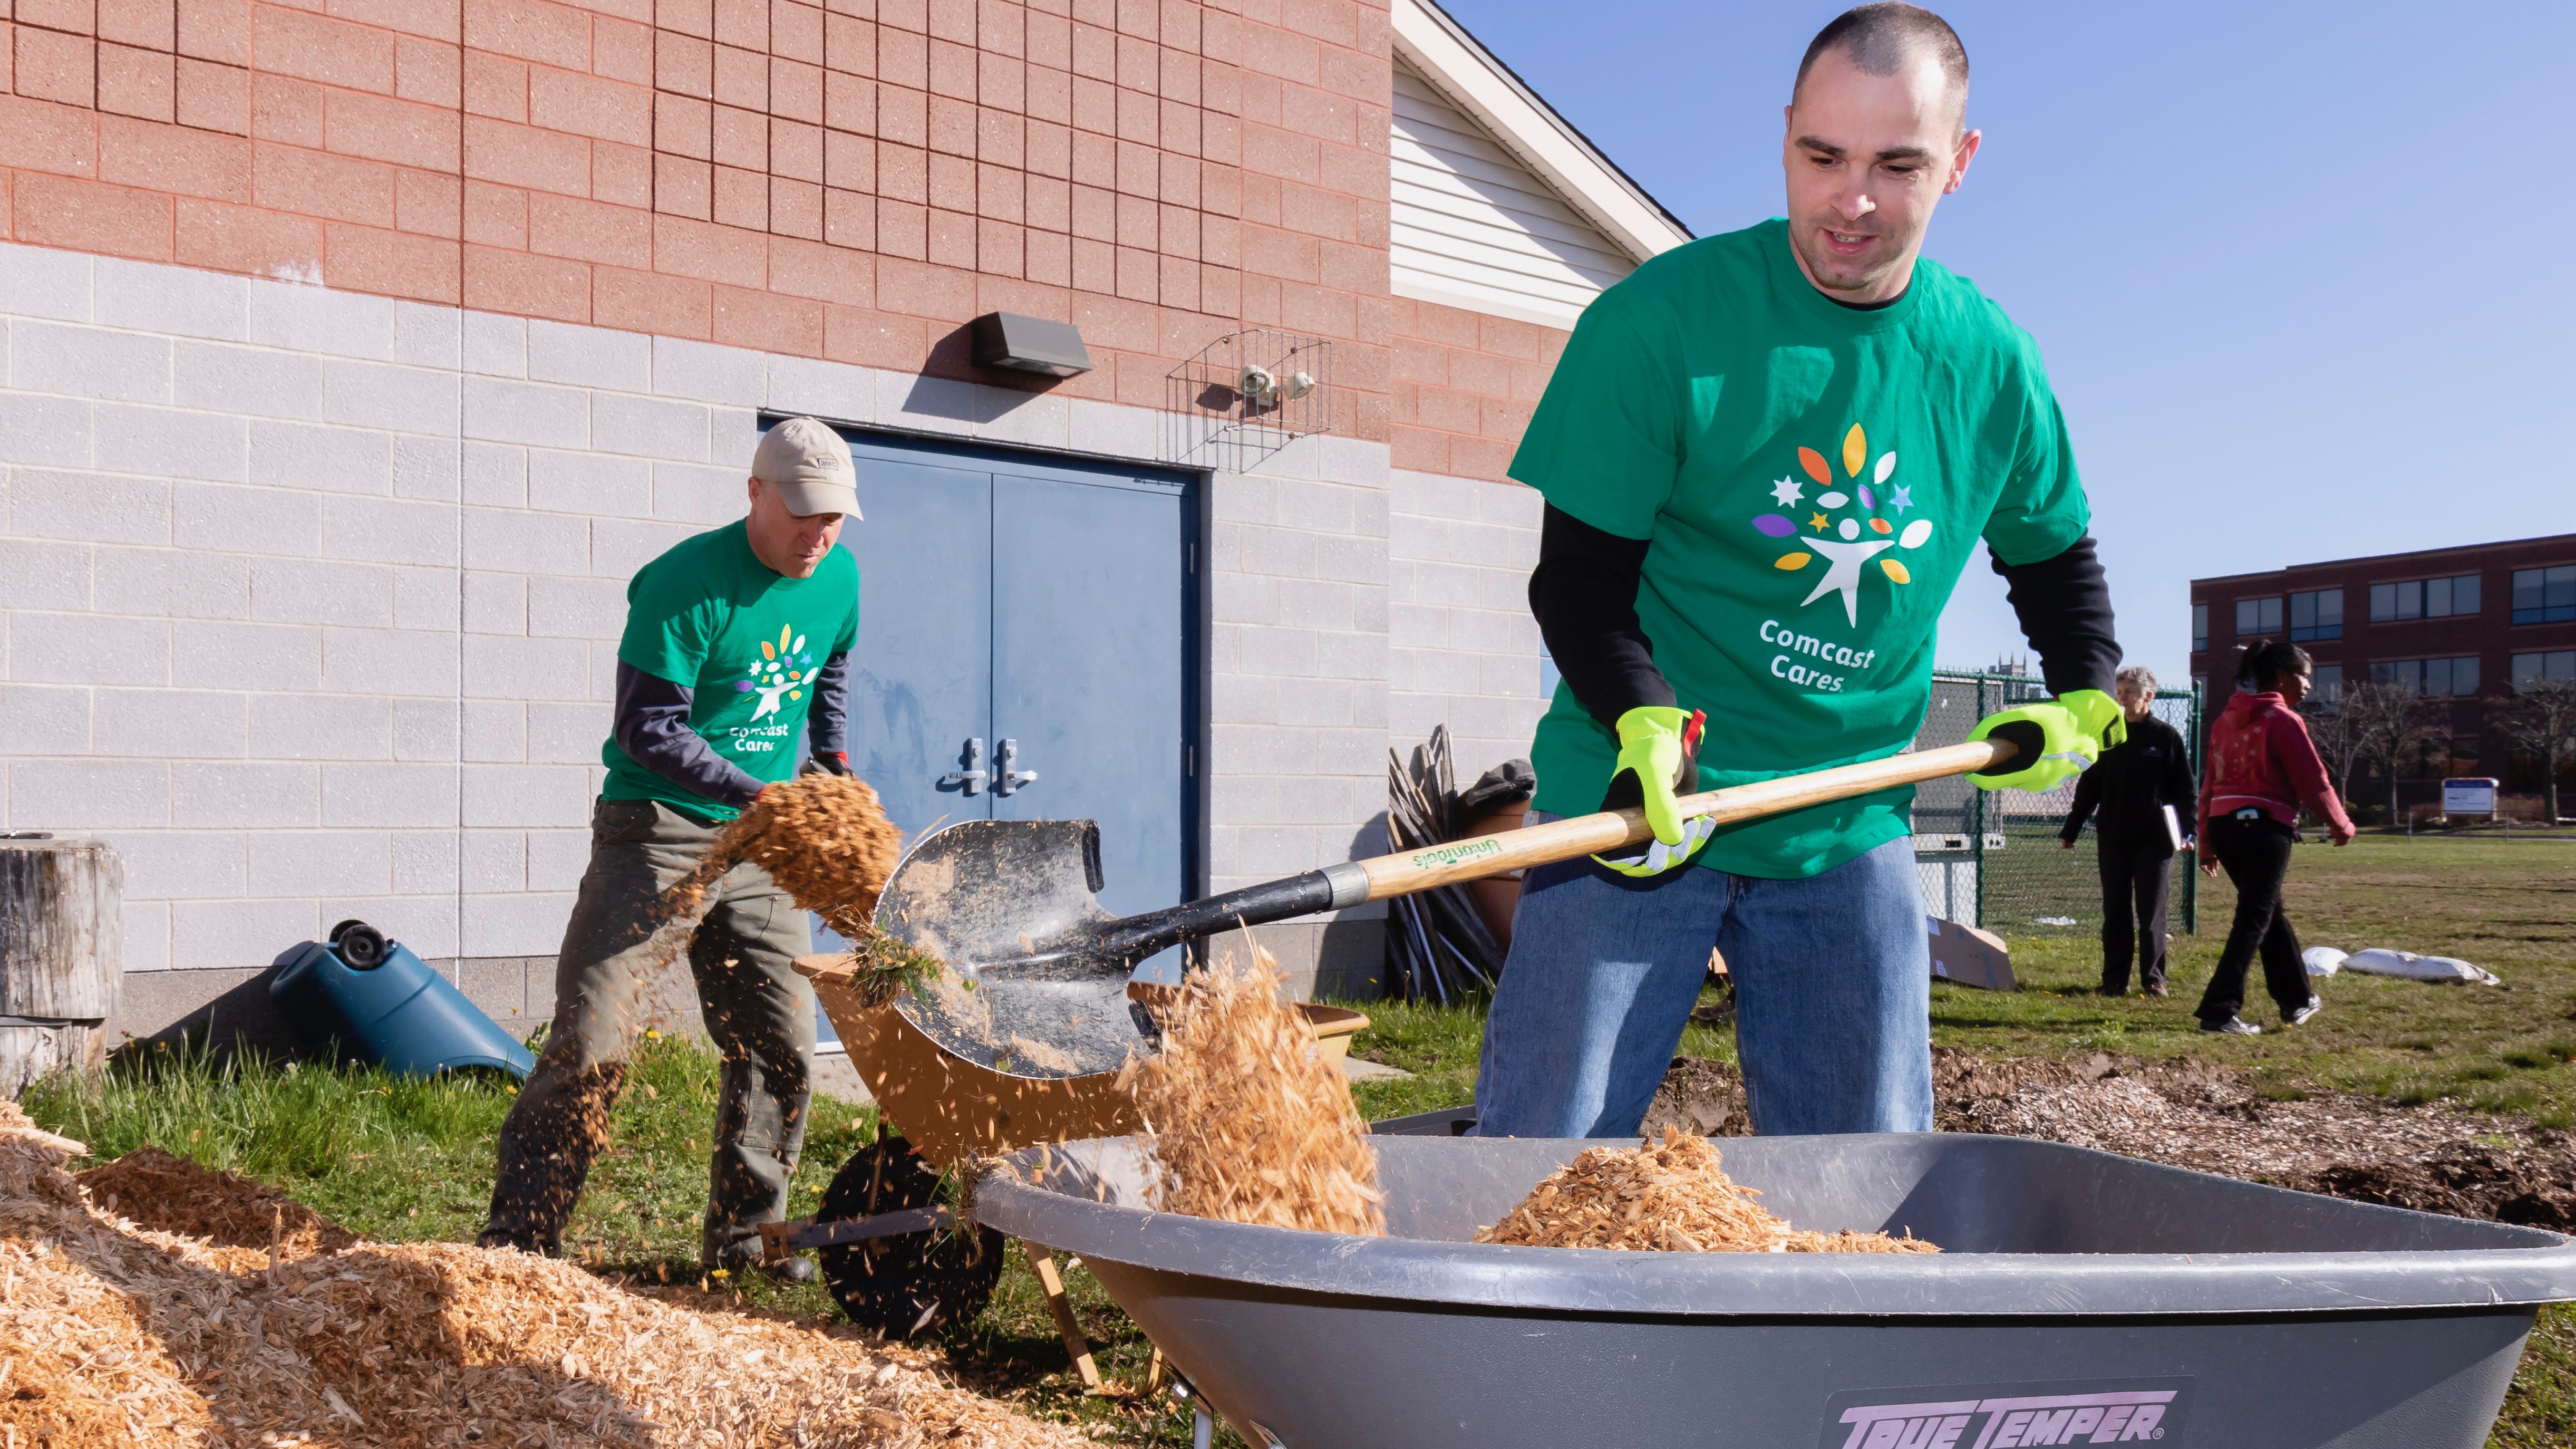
[[1026, 651]]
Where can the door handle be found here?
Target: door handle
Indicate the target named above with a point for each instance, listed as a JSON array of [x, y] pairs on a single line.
[[971, 779], [1005, 779]]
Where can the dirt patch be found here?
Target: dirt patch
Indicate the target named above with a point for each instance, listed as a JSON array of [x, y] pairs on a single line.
[[1701, 1097], [2535, 1185], [168, 1194], [2207, 1117], [113, 1333]]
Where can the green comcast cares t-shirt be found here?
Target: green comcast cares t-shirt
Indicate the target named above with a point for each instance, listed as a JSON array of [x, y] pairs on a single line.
[[710, 615], [1811, 478]]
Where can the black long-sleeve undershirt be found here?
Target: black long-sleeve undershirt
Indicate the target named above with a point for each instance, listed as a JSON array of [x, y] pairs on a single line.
[[1584, 596], [2064, 605], [652, 726]]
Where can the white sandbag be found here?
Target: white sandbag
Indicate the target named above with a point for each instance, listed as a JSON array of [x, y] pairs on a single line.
[[2322, 960], [2380, 961]]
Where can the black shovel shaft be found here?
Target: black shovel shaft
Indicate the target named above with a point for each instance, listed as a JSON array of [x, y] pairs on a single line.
[[1133, 938]]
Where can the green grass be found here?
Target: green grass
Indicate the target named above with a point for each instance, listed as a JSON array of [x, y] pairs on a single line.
[[400, 1161], [2507, 906]]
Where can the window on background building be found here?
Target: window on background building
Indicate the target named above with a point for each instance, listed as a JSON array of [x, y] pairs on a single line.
[[2544, 596], [2200, 626], [2257, 616], [2533, 668], [2317, 615], [2464, 754], [2433, 678], [2424, 599], [2325, 686]]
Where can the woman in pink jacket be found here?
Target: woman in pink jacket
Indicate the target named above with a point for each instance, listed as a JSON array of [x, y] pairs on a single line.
[[2261, 767]]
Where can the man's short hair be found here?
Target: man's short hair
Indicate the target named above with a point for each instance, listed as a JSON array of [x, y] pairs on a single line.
[[2137, 674], [1881, 38]]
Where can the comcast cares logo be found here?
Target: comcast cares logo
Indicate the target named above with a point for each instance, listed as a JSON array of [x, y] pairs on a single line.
[[776, 672], [1841, 523]]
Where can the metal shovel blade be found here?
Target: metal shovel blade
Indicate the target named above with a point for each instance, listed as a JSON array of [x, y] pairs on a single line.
[[1022, 892]]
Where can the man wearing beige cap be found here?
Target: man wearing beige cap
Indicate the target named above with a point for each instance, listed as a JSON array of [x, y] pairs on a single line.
[[735, 639]]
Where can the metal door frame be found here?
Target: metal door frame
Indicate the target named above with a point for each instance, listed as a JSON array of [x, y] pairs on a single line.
[[1197, 598]]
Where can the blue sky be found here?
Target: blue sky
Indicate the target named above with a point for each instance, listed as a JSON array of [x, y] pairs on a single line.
[[2299, 270]]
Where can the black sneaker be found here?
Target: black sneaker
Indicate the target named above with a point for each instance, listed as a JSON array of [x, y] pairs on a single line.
[[2300, 1016], [744, 1260], [2232, 1026], [495, 1238]]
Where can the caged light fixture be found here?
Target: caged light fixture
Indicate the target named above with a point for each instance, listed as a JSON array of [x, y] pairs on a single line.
[[1247, 395]]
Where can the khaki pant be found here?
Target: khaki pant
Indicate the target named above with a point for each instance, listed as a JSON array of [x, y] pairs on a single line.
[[760, 1012]]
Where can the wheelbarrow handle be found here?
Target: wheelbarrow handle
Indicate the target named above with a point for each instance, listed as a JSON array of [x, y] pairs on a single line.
[[1351, 882]]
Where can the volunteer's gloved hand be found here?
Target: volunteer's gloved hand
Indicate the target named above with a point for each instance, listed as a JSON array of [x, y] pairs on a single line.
[[1658, 753], [2100, 715], [2052, 742], [835, 763]]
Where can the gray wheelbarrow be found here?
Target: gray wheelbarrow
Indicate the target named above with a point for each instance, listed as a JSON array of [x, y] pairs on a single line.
[[2081, 1298]]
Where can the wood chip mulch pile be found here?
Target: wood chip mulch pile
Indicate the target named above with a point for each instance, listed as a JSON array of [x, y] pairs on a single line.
[[1250, 1123], [171, 1194], [824, 838], [117, 1330], [1669, 1196]]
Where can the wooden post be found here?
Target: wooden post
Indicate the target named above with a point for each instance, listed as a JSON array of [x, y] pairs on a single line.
[[62, 949], [1074, 1343]]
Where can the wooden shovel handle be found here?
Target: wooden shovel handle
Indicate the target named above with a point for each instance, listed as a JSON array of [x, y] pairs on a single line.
[[1484, 855]]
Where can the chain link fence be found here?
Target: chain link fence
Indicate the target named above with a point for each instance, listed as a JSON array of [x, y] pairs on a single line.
[[1991, 858]]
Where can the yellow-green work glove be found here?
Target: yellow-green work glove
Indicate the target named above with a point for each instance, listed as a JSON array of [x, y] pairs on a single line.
[[2099, 713], [2052, 742], [1658, 753]]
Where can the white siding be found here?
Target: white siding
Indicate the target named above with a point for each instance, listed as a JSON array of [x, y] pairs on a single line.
[[1472, 227]]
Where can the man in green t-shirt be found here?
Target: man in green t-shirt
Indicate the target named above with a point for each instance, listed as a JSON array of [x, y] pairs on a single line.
[[736, 646], [1767, 456]]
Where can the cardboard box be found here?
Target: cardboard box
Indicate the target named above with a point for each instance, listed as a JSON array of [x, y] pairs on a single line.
[[1967, 956]]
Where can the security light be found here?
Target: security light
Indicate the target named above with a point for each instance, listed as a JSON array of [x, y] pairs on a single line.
[[1030, 344]]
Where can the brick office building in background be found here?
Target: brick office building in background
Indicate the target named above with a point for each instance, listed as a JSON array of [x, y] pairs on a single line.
[[2463, 625], [360, 350]]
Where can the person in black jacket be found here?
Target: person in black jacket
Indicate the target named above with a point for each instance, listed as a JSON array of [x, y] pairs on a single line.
[[2127, 794]]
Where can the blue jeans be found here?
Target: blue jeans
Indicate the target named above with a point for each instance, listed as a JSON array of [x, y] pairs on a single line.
[[1833, 995]]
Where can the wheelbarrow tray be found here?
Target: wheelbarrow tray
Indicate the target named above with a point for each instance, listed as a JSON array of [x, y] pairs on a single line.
[[2080, 1298], [951, 1109]]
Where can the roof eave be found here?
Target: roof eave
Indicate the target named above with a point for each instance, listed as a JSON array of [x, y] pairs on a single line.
[[1478, 83]]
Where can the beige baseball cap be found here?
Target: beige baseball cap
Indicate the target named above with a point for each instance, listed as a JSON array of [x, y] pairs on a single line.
[[810, 467]]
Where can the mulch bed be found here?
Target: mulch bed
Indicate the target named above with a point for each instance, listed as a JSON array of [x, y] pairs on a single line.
[[2208, 1118]]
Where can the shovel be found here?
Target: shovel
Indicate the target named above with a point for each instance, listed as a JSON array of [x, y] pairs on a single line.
[[1038, 970]]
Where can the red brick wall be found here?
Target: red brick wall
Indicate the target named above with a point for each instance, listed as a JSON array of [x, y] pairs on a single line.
[[1463, 387], [851, 180]]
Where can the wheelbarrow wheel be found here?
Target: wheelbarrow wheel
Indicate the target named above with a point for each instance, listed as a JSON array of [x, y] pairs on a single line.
[[915, 1282]]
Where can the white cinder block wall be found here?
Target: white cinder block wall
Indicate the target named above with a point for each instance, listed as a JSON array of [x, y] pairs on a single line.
[[1465, 649], [309, 603]]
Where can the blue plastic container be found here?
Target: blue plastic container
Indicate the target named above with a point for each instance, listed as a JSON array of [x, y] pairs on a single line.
[[371, 1000]]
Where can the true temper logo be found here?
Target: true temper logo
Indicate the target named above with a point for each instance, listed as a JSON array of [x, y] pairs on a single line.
[[2008, 1416]]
